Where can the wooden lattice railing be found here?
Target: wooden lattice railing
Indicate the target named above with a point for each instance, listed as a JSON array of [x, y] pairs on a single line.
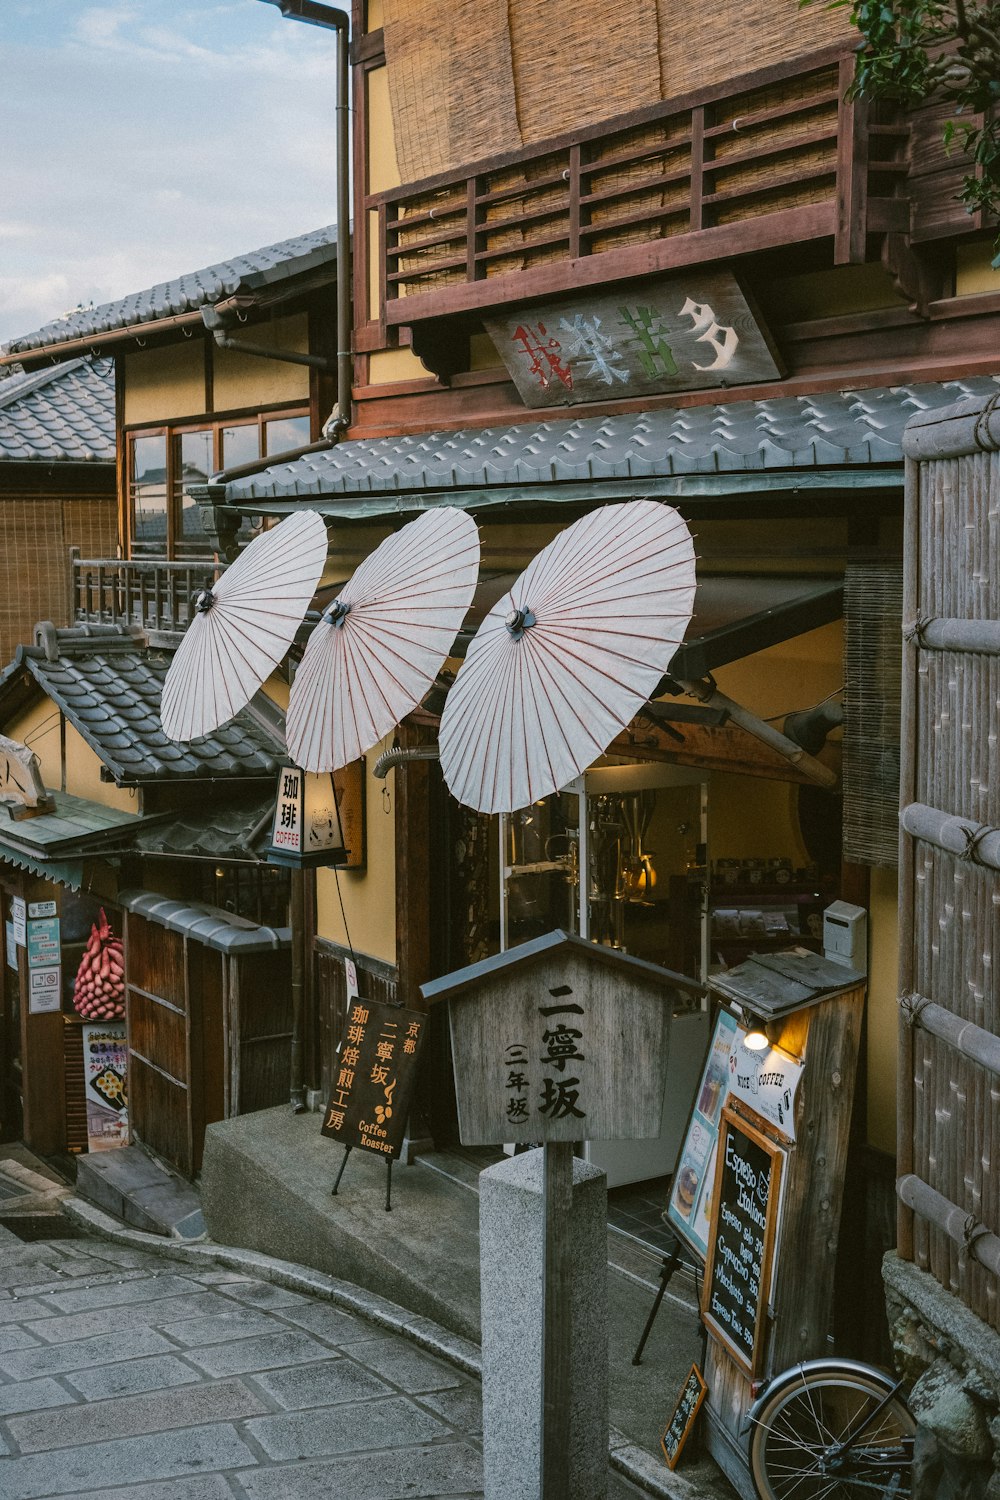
[[154, 595], [776, 158]]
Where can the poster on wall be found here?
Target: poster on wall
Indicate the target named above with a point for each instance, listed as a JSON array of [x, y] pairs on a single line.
[[105, 1064], [689, 1206]]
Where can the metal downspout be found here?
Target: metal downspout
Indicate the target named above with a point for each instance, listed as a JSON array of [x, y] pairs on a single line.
[[312, 13]]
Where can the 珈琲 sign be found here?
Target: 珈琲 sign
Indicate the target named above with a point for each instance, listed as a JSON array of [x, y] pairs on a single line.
[[559, 1039], [686, 332], [376, 1069], [741, 1246]]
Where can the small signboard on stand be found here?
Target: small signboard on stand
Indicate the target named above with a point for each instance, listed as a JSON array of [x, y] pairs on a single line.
[[683, 1417]]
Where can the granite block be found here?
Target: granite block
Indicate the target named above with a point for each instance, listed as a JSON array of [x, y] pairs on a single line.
[[404, 1474], [132, 1377], [371, 1425], [240, 1323], [82, 1471], [327, 1384], [114, 1293], [20, 1310], [222, 1401], [54, 1359], [461, 1408], [325, 1322], [201, 1487], [33, 1395], [159, 1313], [265, 1352], [511, 1219], [262, 1294], [412, 1370], [15, 1338]]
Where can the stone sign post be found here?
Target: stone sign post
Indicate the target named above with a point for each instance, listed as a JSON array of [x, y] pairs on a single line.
[[555, 1041]]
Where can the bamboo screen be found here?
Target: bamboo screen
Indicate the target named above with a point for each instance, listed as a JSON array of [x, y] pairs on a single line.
[[474, 79], [37, 534], [873, 609], [949, 1084]]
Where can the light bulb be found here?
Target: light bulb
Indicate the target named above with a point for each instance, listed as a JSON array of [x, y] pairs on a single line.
[[756, 1040]]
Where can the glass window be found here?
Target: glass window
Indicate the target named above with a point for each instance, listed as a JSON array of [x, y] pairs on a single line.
[[284, 433], [240, 445], [194, 460], [149, 496]]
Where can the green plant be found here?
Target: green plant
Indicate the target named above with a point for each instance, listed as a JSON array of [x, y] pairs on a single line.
[[929, 52]]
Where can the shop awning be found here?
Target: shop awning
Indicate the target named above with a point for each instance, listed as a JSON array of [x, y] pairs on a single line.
[[54, 845], [849, 439], [207, 925], [59, 872]]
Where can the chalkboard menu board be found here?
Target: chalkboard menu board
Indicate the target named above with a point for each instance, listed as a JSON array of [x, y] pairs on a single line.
[[689, 1401], [744, 1223]]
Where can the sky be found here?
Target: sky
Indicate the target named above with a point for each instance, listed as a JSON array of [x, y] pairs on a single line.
[[147, 138]]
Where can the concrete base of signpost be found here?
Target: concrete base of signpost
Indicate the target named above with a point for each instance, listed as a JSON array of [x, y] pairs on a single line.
[[511, 1230]]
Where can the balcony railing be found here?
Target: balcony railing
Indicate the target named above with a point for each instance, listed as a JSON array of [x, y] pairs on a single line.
[[154, 595], [776, 158]]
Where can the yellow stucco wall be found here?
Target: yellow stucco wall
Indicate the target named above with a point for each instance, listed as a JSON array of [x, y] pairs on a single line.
[[369, 895], [165, 384], [386, 366], [883, 939], [245, 380], [974, 270], [38, 728]]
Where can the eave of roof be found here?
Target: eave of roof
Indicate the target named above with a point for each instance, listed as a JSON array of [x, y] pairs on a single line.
[[824, 440], [61, 414], [179, 302]]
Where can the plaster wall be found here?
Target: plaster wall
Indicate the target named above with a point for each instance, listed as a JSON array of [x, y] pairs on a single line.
[[165, 384], [38, 728], [369, 895], [248, 380]]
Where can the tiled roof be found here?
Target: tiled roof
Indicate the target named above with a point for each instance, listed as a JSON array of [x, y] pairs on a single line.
[[304, 252], [820, 431], [112, 696], [65, 414], [230, 828]]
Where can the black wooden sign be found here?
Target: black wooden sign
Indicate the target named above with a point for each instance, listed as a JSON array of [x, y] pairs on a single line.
[[741, 1244], [374, 1077], [678, 1429]]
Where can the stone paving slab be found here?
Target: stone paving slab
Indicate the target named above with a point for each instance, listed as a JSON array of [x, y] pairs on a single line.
[[238, 1323], [33, 1395], [329, 1384], [405, 1366], [160, 1456], [327, 1323], [51, 1359], [358, 1426], [190, 1406], [204, 1487], [132, 1377], [15, 1338], [159, 1312], [119, 1293], [408, 1474], [266, 1352]]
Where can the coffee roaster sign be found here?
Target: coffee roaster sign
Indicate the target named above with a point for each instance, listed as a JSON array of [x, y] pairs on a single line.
[[678, 334], [766, 1081], [374, 1076], [744, 1226]]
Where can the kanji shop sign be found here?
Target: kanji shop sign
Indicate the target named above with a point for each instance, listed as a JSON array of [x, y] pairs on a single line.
[[558, 1040], [376, 1069], [306, 828], [693, 331]]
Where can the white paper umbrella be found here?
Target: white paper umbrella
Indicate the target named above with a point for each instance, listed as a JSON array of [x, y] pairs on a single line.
[[381, 644], [568, 657], [242, 627]]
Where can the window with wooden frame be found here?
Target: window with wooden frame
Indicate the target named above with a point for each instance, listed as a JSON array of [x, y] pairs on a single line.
[[164, 462]]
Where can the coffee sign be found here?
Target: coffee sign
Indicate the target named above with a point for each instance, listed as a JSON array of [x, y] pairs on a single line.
[[374, 1076], [766, 1081], [692, 331]]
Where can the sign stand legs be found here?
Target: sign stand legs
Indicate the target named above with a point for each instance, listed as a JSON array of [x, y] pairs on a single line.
[[670, 1263], [557, 1185], [388, 1184], [343, 1164]]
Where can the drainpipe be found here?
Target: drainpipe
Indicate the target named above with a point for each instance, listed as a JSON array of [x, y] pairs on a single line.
[[312, 13]]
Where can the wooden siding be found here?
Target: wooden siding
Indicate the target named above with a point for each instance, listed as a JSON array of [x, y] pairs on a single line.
[[949, 1083], [376, 981]]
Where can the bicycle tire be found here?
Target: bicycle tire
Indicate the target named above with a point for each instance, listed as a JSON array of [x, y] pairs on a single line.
[[801, 1422]]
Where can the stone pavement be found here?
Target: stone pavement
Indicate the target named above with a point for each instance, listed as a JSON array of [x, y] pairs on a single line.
[[128, 1375]]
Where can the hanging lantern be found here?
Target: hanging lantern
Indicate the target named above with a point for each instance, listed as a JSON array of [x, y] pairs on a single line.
[[306, 830]]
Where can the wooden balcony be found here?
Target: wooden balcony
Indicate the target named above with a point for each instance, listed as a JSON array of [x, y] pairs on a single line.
[[777, 158], [151, 595]]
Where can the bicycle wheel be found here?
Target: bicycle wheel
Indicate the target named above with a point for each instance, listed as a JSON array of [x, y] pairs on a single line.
[[822, 1436]]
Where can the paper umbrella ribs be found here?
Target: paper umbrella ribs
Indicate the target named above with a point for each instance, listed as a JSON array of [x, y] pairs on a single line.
[[99, 988]]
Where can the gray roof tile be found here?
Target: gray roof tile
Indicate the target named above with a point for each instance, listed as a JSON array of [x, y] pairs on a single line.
[[197, 289], [86, 684], [830, 429], [65, 414]]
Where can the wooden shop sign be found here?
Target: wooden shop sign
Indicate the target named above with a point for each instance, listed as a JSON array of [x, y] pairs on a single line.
[[688, 332], [374, 1077], [682, 1420], [746, 1199]]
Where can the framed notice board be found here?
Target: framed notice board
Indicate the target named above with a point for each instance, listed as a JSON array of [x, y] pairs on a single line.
[[682, 1418], [746, 1200]]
